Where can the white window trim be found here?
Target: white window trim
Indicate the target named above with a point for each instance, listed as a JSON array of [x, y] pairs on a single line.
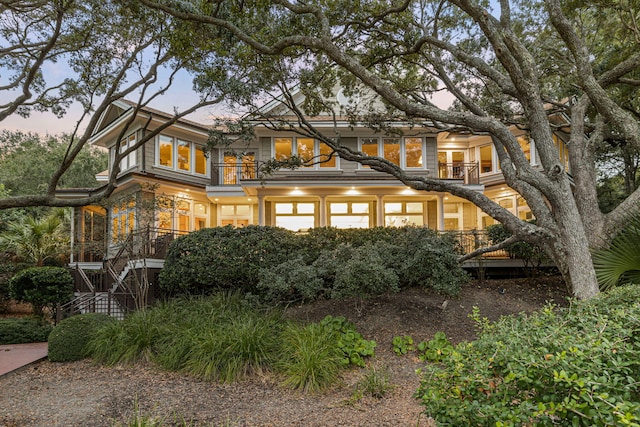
[[403, 151], [174, 157], [316, 153]]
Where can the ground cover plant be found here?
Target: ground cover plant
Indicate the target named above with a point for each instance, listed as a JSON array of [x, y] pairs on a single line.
[[225, 338], [577, 366], [24, 330]]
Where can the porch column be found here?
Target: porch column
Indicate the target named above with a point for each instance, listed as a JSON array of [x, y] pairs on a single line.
[[73, 232], [440, 212], [323, 211], [261, 216], [379, 211]]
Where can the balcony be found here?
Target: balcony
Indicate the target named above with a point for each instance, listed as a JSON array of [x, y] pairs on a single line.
[[232, 174], [468, 172]]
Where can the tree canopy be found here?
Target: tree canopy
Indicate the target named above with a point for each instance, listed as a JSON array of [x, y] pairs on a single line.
[[538, 65]]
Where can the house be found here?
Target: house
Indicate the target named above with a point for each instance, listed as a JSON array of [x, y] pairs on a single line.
[[171, 185]]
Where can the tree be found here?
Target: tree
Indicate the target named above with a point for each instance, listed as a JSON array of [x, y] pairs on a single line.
[[42, 287], [108, 50], [28, 161], [36, 240], [510, 66]]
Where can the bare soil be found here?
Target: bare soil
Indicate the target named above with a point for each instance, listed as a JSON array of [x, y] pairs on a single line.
[[85, 394]]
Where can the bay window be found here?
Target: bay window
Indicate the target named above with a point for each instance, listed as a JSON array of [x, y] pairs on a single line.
[[180, 155]]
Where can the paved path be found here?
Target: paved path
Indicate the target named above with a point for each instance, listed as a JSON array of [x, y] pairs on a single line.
[[15, 356]]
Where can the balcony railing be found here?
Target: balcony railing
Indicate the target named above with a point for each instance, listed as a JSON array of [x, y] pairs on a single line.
[[468, 172], [469, 241], [232, 174]]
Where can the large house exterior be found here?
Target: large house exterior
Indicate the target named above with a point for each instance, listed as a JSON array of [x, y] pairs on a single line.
[[171, 185]]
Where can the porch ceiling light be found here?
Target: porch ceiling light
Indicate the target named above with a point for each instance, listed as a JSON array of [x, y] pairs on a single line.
[[407, 192], [352, 191], [296, 192]]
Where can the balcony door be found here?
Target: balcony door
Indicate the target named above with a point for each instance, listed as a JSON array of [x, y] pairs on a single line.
[[451, 164]]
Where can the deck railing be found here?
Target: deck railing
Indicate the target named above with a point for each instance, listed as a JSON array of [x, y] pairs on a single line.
[[468, 172], [472, 240]]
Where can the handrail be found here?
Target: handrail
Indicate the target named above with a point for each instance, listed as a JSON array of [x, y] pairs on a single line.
[[85, 279]]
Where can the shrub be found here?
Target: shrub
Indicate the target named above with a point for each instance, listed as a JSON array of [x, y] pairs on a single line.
[[42, 287], [68, 340], [579, 366], [224, 258], [25, 330], [531, 255]]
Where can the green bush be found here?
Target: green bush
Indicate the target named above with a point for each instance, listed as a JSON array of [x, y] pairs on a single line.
[[42, 287], [24, 330], [362, 262], [68, 340], [531, 255], [578, 366], [224, 258]]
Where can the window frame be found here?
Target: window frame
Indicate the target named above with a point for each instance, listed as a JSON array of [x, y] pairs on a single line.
[[403, 150], [316, 152], [193, 156]]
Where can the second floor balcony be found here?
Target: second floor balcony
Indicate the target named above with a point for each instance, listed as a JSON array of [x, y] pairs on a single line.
[[230, 174]]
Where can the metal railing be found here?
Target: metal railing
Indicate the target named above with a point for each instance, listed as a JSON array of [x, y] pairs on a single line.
[[233, 173], [471, 240], [468, 172]]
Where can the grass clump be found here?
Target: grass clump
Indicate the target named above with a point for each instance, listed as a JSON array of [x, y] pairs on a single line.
[[376, 382], [578, 366], [68, 340], [225, 338], [24, 330]]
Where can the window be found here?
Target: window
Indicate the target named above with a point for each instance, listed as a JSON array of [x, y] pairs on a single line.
[[235, 215], [295, 216], [350, 214], [404, 152], [525, 146], [452, 216], [486, 159], [399, 214], [123, 220], [129, 160], [180, 155], [309, 150], [183, 215]]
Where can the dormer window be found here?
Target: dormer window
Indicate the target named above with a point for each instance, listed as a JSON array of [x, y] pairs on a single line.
[[180, 155]]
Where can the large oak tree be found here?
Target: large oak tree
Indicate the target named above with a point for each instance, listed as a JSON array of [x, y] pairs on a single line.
[[505, 66]]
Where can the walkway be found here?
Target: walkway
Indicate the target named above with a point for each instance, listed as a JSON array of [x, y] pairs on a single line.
[[15, 356]]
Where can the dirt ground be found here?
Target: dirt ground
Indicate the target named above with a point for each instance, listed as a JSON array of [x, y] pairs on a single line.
[[84, 394]]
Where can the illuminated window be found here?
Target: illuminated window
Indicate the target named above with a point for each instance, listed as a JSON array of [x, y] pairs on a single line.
[[486, 159], [235, 215], [123, 220], [525, 146], [184, 155], [399, 214], [180, 155], [283, 148], [452, 216], [413, 151], [316, 153], [350, 214], [404, 152], [295, 216], [391, 151], [166, 151]]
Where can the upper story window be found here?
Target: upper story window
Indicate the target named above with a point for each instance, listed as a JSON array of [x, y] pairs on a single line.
[[180, 155], [308, 149], [405, 152], [129, 160], [486, 158]]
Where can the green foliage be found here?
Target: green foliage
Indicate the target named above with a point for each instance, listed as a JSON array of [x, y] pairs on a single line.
[[310, 360], [363, 262], [224, 258], [353, 346], [68, 340], [42, 287], [578, 366], [224, 338], [376, 382], [436, 348], [531, 255], [620, 262], [23, 330], [402, 344], [35, 240]]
